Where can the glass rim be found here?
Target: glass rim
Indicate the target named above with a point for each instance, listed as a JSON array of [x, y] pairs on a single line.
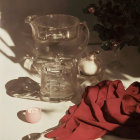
[[75, 19]]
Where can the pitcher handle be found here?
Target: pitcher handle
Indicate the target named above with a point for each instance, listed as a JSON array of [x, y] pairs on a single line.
[[85, 27]]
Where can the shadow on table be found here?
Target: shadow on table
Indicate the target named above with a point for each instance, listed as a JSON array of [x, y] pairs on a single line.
[[23, 87], [21, 115], [15, 43]]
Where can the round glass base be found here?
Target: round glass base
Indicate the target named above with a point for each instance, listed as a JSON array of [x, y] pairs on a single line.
[[55, 100]]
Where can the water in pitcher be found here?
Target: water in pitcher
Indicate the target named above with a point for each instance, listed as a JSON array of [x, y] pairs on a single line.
[[66, 48]]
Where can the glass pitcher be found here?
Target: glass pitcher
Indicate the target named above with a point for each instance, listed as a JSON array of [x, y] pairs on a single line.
[[59, 41]]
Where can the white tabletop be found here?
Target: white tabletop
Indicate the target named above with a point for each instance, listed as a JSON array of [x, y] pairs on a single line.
[[12, 127]]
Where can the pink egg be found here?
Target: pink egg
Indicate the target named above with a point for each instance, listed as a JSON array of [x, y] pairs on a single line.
[[33, 114]]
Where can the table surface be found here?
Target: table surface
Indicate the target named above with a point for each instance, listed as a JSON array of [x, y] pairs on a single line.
[[13, 127]]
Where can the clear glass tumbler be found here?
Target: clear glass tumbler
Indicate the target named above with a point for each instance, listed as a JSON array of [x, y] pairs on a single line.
[[58, 81]]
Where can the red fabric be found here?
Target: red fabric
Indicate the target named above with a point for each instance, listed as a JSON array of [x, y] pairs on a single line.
[[104, 108]]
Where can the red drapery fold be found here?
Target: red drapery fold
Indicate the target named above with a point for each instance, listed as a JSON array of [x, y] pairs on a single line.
[[105, 108]]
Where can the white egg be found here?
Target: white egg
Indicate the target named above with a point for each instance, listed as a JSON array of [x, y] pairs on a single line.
[[88, 67]]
